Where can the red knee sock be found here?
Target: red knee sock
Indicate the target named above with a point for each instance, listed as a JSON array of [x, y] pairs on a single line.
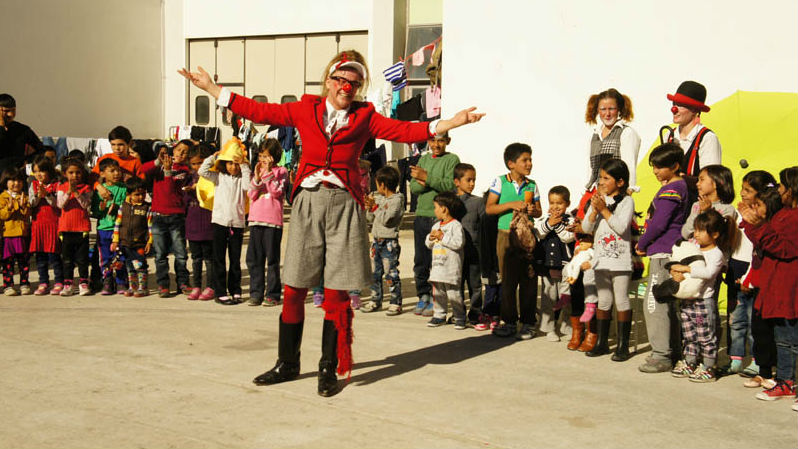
[[337, 309], [294, 304]]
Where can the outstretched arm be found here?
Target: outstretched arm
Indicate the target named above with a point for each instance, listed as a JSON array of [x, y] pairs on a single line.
[[464, 117], [202, 80]]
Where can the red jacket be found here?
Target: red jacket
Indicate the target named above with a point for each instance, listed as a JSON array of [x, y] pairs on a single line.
[[340, 152], [167, 191], [778, 286]]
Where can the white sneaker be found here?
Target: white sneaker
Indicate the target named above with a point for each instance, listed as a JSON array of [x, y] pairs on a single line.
[[10, 291], [24, 289], [552, 336], [526, 332], [84, 290], [68, 290]]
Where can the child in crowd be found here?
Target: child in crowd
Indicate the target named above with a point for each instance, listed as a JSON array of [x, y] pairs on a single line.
[[266, 194], [554, 249], [74, 200], [433, 174], [105, 211], [609, 219], [507, 194], [44, 241], [777, 301], [133, 236], [385, 208], [666, 215], [465, 177], [169, 175], [446, 242], [199, 231], [121, 140], [231, 177], [15, 219], [489, 270], [747, 324], [581, 262], [699, 315]]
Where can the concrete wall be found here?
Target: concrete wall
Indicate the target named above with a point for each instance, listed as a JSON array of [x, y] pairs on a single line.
[[80, 67], [532, 65]]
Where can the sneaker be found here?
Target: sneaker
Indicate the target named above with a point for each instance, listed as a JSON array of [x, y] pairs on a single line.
[[683, 369], [459, 324], [423, 300], [129, 293], [368, 307], [704, 375], [141, 292], [271, 302], [393, 310], [207, 294], [783, 388], [255, 301], [41, 290], [759, 382], [186, 290], [505, 330], [750, 370], [436, 322], [526, 332], [108, 288], [163, 292], [736, 366], [318, 298], [84, 289], [653, 366], [10, 291], [354, 301], [483, 323], [552, 336], [195, 294], [68, 290], [24, 289], [57, 288], [238, 298], [428, 310]]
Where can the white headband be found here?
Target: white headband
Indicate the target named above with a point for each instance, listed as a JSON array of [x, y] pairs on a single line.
[[350, 64]]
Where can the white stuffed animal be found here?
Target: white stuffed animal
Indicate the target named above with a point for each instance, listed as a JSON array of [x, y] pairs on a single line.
[[683, 253]]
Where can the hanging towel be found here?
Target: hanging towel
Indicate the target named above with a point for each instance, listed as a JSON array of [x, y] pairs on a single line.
[[396, 75]]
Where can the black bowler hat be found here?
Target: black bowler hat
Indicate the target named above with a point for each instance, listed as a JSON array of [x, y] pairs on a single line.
[[692, 94]]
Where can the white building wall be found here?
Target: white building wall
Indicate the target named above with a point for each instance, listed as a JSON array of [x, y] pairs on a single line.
[[532, 65]]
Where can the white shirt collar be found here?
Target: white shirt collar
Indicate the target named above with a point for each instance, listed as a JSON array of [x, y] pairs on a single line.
[[339, 117], [691, 135], [600, 126]]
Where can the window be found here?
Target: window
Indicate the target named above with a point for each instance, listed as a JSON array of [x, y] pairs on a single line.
[[202, 109], [260, 98], [417, 37], [288, 99]]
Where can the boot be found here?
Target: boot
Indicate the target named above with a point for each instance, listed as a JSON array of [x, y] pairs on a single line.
[[577, 332], [287, 366], [142, 291], [590, 337], [624, 329], [602, 347], [132, 285], [328, 380]]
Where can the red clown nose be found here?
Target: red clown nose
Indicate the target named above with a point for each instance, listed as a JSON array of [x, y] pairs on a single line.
[[674, 109], [347, 88]]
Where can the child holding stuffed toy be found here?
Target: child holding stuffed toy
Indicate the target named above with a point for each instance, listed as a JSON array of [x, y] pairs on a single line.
[[700, 315]]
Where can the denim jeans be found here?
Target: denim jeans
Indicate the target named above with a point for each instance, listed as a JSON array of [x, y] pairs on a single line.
[[168, 235], [422, 260], [386, 252], [741, 324], [786, 333], [46, 260]]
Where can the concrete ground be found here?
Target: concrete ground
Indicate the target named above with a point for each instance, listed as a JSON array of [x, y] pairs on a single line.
[[94, 372]]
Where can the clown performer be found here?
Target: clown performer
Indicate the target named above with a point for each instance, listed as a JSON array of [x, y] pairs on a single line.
[[327, 237], [700, 145]]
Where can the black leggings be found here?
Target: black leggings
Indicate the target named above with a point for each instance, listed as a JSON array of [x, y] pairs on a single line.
[[75, 251], [227, 242], [201, 251]]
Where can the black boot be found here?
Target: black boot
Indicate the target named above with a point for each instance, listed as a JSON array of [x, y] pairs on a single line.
[[624, 329], [328, 380], [287, 366], [603, 324]]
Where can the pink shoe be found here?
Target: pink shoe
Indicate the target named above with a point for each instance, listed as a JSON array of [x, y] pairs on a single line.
[[56, 290], [195, 294], [207, 294], [590, 310], [41, 290], [355, 301], [484, 323]]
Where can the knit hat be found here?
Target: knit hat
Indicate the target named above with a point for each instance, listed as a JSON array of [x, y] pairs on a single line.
[[691, 94]]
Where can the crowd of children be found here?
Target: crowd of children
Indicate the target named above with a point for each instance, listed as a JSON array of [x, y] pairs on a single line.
[[482, 245]]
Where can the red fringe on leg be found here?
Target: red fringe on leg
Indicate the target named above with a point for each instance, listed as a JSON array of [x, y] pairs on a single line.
[[336, 306]]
